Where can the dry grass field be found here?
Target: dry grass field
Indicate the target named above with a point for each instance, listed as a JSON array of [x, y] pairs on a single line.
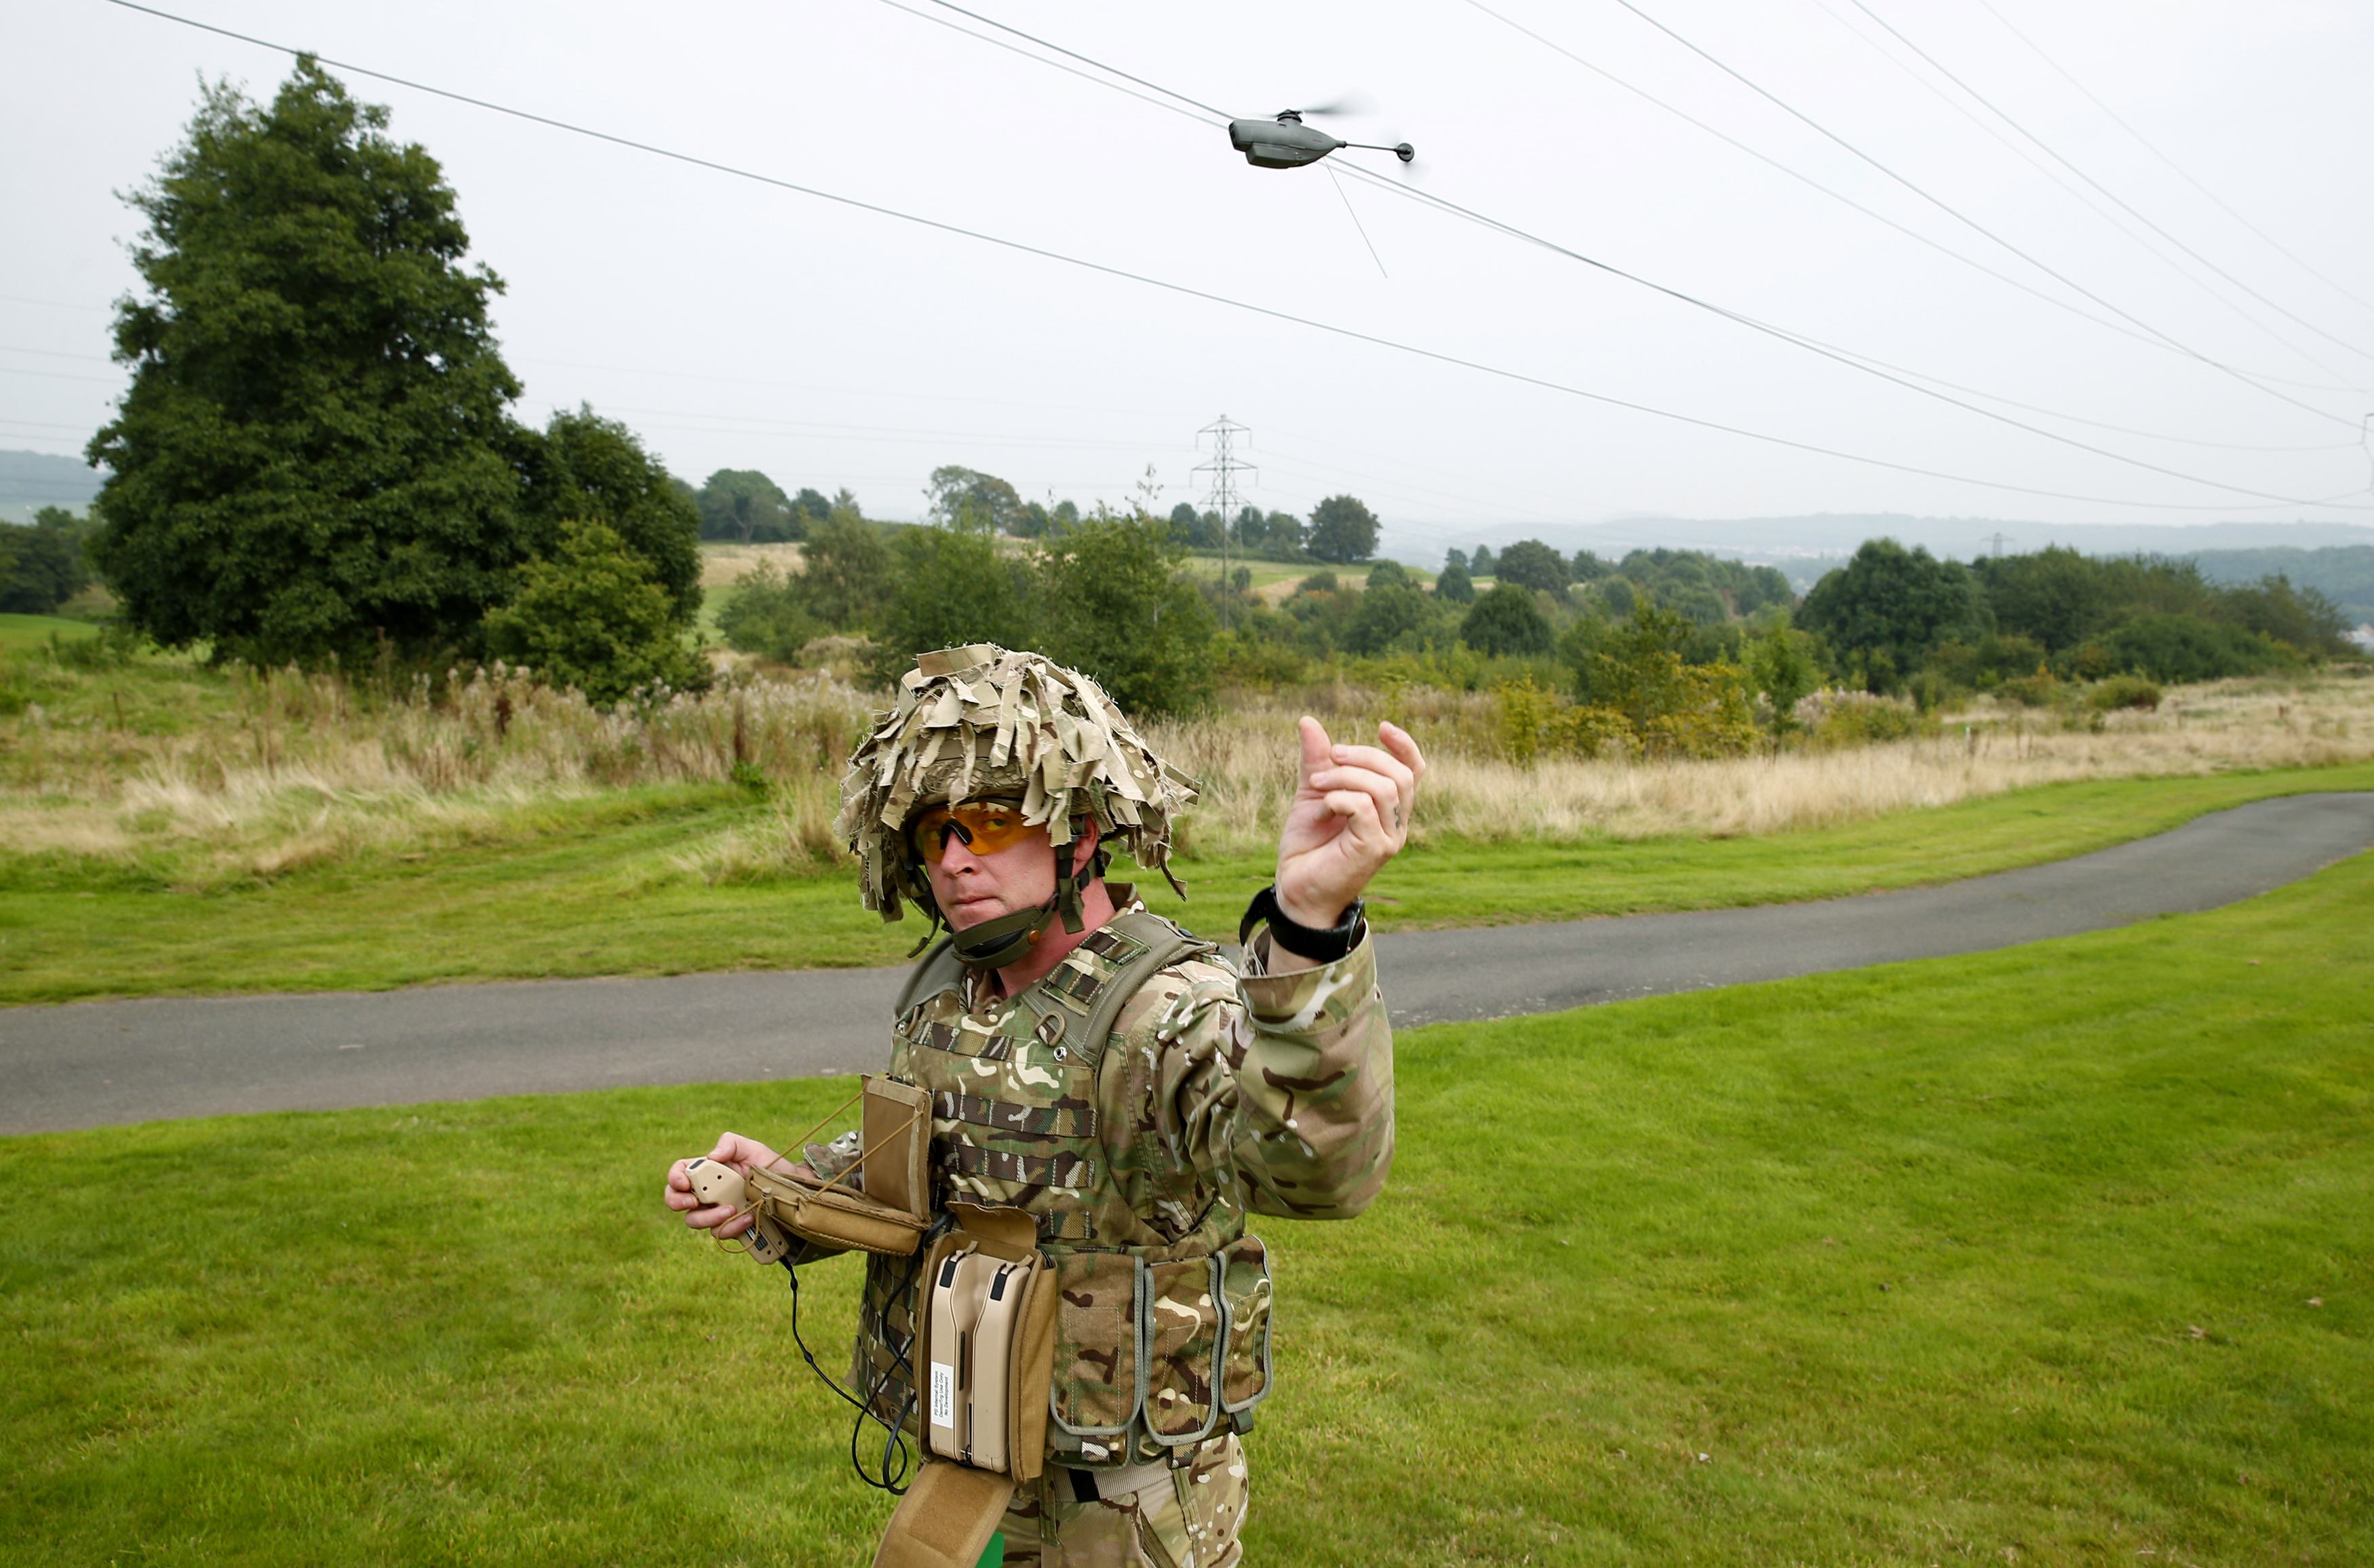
[[235, 774], [724, 565]]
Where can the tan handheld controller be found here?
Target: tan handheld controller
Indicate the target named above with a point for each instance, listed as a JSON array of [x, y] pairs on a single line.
[[715, 1183]]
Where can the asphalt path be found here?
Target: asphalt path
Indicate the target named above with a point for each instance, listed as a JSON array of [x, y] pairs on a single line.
[[93, 1064]]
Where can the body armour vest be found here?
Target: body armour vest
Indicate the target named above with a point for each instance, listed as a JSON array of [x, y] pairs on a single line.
[[1162, 1329]]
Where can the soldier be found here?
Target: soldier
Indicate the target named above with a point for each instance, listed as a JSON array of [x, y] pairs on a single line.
[[1116, 1079]]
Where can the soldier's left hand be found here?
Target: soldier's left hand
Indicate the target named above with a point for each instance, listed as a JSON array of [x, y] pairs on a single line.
[[1351, 814]]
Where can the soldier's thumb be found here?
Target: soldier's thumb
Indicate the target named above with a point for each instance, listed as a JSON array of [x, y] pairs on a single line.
[[1316, 751]]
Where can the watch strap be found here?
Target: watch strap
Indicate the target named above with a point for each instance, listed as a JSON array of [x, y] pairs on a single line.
[[1319, 945]]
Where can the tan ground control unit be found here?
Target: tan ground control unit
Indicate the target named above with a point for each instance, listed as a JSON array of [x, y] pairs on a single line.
[[985, 1351], [882, 1202]]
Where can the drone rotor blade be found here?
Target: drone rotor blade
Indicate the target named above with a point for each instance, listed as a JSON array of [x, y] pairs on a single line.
[[1342, 103]]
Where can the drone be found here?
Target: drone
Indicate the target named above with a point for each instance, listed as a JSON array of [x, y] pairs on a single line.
[[1286, 143]]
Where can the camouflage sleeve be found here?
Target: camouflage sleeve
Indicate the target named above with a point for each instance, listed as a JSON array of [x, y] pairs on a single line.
[[1283, 1084]]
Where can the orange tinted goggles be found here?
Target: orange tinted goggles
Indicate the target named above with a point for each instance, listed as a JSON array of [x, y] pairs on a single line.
[[983, 826]]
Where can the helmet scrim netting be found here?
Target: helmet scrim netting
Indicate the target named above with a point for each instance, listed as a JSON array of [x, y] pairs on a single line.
[[979, 722]]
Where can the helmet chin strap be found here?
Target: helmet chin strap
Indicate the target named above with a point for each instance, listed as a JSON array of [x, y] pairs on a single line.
[[1009, 939]]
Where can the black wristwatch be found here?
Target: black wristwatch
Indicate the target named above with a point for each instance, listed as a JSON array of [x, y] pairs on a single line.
[[1320, 946]]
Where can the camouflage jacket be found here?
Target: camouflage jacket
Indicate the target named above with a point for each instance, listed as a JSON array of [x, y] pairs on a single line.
[[1214, 1093]]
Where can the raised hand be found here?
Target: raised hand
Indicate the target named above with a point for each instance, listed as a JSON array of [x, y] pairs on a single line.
[[1351, 814], [733, 1149]]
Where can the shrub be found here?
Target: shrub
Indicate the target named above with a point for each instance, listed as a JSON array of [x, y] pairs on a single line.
[[1506, 621], [767, 615], [2178, 649], [2124, 691], [1858, 718], [1109, 600], [1533, 722], [594, 617], [2040, 690]]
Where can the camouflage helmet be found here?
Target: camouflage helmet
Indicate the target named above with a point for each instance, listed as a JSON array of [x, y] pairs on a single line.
[[980, 722]]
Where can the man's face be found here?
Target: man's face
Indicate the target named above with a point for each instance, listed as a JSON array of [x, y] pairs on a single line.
[[974, 882]]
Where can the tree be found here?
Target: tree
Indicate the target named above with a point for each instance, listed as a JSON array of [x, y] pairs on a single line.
[[966, 498], [594, 617], [1390, 610], [1890, 606], [1672, 706], [767, 615], [1283, 536], [844, 578], [1529, 563], [2054, 595], [1453, 586], [948, 586], [42, 566], [2301, 617], [1186, 523], [1589, 567], [1783, 665], [314, 458], [588, 469], [742, 503], [808, 508], [1482, 565], [1113, 603], [1341, 531], [1506, 621]]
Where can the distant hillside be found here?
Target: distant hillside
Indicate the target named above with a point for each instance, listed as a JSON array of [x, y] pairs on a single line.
[[29, 481], [1805, 546], [2345, 576]]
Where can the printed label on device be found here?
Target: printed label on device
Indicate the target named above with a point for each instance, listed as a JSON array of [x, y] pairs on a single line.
[[944, 1394]]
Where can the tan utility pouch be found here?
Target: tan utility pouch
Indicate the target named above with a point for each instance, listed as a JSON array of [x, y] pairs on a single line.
[[890, 1215], [985, 1358]]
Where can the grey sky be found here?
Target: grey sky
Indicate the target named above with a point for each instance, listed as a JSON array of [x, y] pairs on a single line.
[[738, 325]]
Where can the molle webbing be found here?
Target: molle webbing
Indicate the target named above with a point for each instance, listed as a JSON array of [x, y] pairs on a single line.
[[1030, 1170], [1062, 1121]]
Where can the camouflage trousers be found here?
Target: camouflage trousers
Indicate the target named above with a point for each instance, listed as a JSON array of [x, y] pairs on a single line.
[[1189, 1518]]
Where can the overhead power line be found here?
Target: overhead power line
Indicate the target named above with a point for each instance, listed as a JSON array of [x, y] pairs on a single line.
[[1948, 252], [1187, 291], [1813, 346], [1895, 375], [1853, 359], [1964, 218], [2126, 229], [2152, 148], [2108, 194]]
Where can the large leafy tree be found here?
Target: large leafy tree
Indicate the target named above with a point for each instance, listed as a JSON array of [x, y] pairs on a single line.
[[42, 566], [967, 499], [742, 503], [845, 571], [1113, 602], [1889, 606], [2054, 595], [1506, 621], [313, 458], [589, 469], [1529, 563], [1341, 531]]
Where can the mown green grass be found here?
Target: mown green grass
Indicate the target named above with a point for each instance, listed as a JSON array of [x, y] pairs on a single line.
[[35, 631], [594, 886], [2055, 1255]]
